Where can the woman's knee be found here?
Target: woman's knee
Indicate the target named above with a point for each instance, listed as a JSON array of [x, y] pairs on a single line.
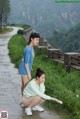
[[25, 101]]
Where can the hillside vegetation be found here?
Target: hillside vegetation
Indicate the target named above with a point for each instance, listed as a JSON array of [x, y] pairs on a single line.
[[68, 40], [60, 84], [45, 15]]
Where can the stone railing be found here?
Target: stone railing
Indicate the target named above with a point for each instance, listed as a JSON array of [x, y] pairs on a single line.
[[69, 59]]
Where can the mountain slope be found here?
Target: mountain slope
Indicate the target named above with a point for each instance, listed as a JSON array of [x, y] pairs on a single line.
[[68, 41], [45, 16]]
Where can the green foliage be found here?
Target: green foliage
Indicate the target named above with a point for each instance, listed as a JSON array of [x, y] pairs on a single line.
[[24, 26], [16, 46], [20, 32], [47, 17], [67, 41], [60, 84], [4, 11], [5, 30]]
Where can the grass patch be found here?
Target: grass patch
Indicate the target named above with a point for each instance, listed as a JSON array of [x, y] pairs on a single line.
[[24, 26], [16, 46], [5, 30], [60, 84]]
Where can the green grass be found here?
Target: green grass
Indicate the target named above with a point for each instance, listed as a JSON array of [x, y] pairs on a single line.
[[24, 26], [5, 30], [16, 46], [60, 84]]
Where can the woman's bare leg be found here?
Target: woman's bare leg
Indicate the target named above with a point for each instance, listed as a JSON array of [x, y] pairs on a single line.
[[41, 101], [31, 101], [24, 82]]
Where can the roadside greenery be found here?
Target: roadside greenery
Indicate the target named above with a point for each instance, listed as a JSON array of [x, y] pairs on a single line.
[[60, 84], [16, 47], [24, 26], [5, 30]]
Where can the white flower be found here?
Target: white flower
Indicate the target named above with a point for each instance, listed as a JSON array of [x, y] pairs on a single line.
[[77, 96]]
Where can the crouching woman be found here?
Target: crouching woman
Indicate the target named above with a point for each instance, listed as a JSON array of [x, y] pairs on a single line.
[[33, 94]]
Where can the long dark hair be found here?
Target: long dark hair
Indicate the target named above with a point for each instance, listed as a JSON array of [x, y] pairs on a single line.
[[33, 35], [39, 72]]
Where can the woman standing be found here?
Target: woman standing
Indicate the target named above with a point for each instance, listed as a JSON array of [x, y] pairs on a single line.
[[33, 94], [25, 67]]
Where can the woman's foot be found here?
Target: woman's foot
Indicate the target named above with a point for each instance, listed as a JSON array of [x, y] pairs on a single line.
[[37, 108], [28, 111]]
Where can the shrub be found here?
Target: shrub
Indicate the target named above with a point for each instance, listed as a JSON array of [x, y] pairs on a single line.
[[20, 32]]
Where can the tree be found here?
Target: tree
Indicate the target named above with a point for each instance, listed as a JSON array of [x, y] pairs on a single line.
[[4, 11]]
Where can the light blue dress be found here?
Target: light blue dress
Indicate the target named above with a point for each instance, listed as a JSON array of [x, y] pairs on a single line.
[[28, 56]]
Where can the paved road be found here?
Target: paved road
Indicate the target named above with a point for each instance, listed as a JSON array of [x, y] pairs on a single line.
[[10, 81]]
